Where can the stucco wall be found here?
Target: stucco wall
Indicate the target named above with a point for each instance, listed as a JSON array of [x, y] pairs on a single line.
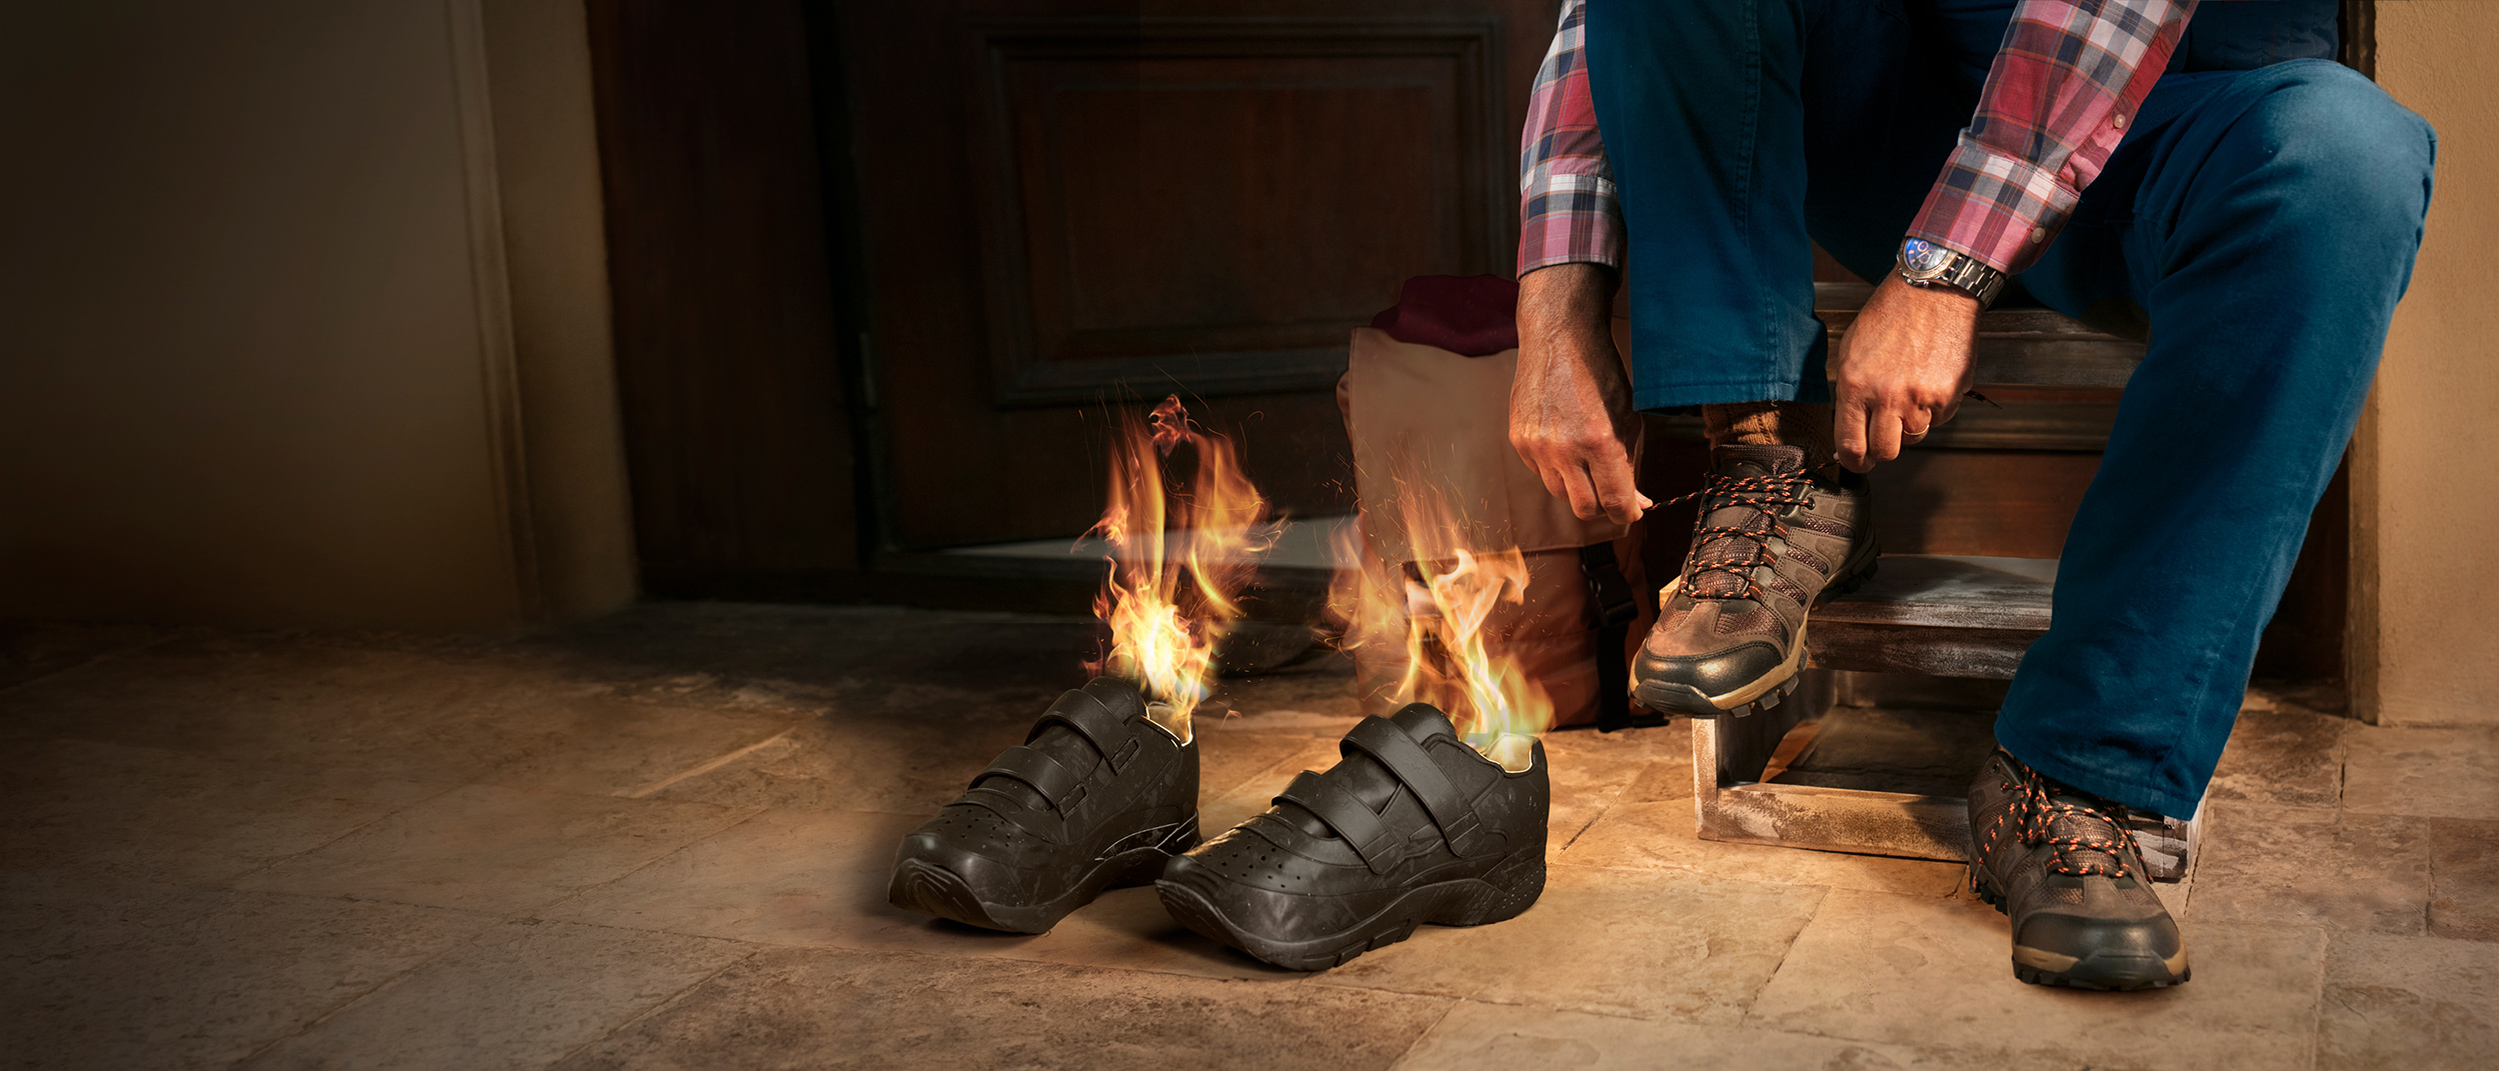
[[260, 326], [2425, 486]]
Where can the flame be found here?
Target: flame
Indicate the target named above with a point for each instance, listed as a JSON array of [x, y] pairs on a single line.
[[1180, 558], [1454, 617]]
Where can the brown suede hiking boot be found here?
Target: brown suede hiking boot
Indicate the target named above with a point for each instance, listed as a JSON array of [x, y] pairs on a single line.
[[2065, 869], [1772, 541]]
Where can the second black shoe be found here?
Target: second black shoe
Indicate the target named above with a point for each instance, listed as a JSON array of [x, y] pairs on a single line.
[[1098, 796], [1412, 826], [2064, 867]]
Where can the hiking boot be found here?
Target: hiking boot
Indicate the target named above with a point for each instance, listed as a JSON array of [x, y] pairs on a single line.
[[1413, 826], [2064, 867], [1098, 796], [1773, 539]]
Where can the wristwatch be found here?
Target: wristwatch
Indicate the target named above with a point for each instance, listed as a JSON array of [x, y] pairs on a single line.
[[1923, 264]]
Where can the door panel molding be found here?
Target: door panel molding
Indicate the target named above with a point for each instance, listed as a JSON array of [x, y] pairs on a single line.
[[1110, 150]]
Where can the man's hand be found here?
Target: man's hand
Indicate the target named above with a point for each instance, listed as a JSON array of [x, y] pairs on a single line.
[[1570, 407], [1899, 370]]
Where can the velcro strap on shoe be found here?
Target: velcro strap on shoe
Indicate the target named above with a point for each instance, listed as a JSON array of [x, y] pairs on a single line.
[[1384, 740], [1360, 827], [1086, 715], [1047, 775]]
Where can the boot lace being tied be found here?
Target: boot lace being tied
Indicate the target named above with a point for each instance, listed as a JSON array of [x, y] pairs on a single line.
[[1725, 555], [2034, 818]]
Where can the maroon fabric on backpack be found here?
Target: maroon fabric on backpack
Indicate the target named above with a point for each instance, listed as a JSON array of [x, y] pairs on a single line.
[[1473, 315]]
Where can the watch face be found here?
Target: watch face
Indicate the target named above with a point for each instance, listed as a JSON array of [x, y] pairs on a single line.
[[1922, 257]]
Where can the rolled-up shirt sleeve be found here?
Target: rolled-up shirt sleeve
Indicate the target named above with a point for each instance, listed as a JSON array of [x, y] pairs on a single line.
[[2070, 77], [1568, 212]]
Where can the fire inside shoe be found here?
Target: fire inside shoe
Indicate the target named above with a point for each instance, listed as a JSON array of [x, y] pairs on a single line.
[[2064, 867], [1773, 539], [1412, 826], [1100, 795]]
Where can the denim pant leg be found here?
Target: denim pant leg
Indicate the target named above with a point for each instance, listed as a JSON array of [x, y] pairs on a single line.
[[2265, 222]]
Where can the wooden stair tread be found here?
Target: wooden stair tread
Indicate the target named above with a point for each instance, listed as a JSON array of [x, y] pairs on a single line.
[[1948, 591], [1946, 615]]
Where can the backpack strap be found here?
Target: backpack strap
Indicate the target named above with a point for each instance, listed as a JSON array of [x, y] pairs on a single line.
[[1612, 608]]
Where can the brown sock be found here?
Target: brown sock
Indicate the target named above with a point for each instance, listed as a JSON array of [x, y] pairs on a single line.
[[1805, 424]]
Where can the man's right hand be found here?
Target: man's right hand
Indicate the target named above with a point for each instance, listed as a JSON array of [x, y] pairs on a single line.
[[1571, 418]]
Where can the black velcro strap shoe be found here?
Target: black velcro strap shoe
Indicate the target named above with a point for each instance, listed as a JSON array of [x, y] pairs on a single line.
[[2064, 867], [1412, 826], [1097, 797]]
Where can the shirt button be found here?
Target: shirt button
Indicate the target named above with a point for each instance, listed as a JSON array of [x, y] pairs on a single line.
[[2038, 235], [2118, 121]]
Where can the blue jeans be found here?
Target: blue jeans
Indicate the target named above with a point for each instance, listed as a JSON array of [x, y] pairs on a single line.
[[2262, 221]]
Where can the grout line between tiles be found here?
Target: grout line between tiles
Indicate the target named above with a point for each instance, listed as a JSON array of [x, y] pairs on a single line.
[[1446, 1011], [709, 765], [274, 863], [1746, 1018], [656, 1006], [385, 983]]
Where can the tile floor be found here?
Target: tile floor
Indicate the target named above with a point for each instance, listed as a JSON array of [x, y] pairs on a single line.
[[659, 840]]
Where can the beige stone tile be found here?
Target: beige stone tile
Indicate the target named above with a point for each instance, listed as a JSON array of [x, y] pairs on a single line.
[[819, 878], [59, 913], [1498, 1037], [584, 739], [2292, 757], [1254, 794], [918, 751], [1924, 971], [1650, 944], [219, 976], [265, 697], [781, 877], [845, 656], [2464, 879], [830, 1007], [2429, 773], [179, 816], [2339, 870], [1663, 836], [1232, 760], [1594, 771], [2417, 1003], [520, 995], [498, 849]]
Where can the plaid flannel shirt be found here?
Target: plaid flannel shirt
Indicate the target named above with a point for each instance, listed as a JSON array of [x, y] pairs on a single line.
[[2070, 74]]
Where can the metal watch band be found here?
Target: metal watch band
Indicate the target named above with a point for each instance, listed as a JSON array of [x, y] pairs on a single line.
[[1924, 264]]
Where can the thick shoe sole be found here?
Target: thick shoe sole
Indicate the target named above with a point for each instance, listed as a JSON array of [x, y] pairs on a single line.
[[930, 888], [1502, 894], [2104, 971], [1761, 693]]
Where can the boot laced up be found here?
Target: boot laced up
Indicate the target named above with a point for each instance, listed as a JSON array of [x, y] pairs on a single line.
[[1724, 555]]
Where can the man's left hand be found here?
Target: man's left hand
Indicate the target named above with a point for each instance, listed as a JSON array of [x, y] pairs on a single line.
[[1900, 369]]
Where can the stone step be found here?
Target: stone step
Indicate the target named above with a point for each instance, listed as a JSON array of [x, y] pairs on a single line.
[[1946, 615]]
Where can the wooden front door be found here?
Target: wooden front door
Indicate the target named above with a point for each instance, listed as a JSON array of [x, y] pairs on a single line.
[[1070, 203]]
